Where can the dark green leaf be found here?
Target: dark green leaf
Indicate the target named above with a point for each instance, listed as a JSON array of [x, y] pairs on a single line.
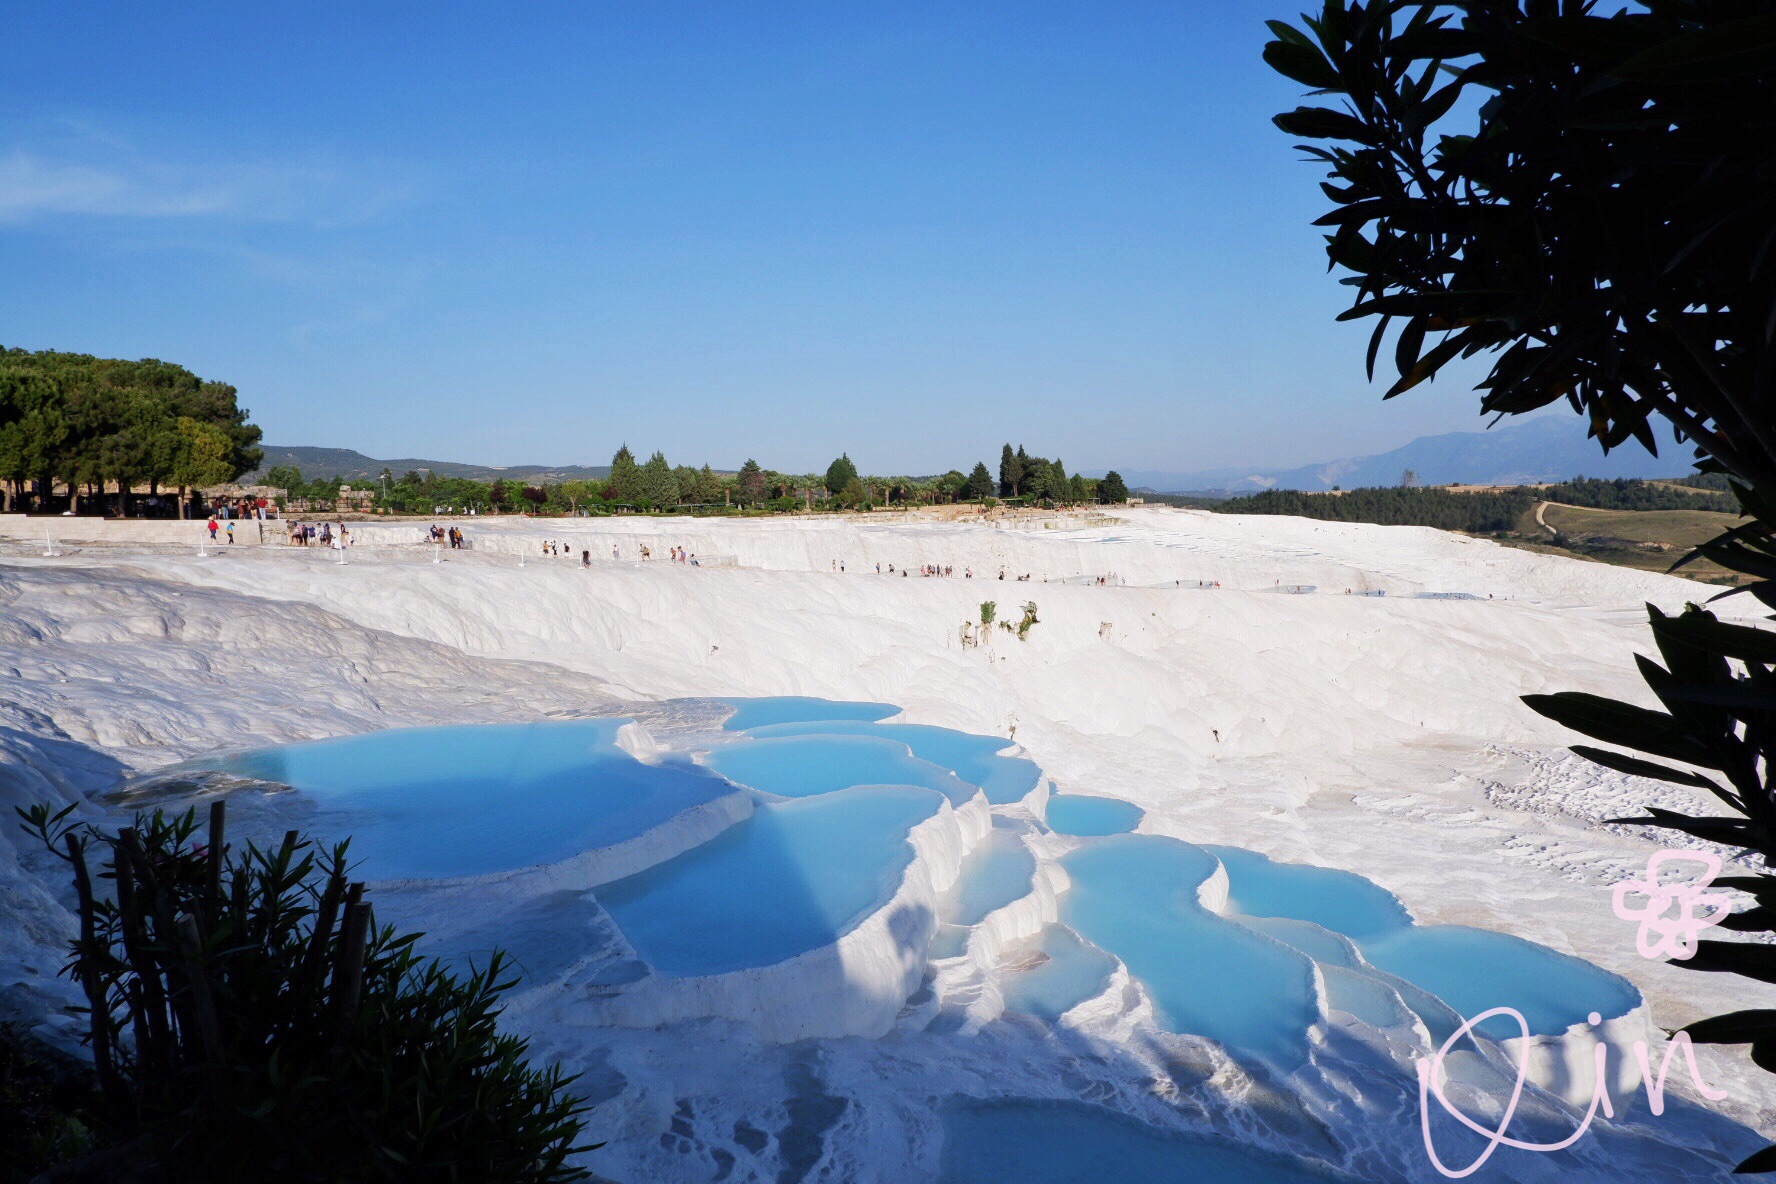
[[1322, 123], [1750, 959], [1762, 1161], [1622, 724], [1739, 1027], [1301, 63], [1634, 766]]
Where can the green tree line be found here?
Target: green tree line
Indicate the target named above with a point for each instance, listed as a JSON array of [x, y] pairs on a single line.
[[1475, 513], [1630, 494], [656, 484], [1491, 512], [83, 421]]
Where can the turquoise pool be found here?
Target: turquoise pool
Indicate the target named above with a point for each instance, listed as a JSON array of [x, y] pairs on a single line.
[[975, 759], [1069, 973], [1135, 896], [795, 876], [801, 766], [994, 874], [425, 803], [1090, 816], [1040, 1142], [789, 709]]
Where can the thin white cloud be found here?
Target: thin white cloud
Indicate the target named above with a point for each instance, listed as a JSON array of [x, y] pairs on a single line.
[[37, 184]]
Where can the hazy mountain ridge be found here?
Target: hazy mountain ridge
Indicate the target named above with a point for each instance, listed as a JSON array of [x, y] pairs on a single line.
[[349, 465], [1530, 452]]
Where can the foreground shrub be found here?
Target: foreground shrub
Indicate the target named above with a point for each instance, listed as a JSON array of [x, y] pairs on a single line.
[[248, 1019]]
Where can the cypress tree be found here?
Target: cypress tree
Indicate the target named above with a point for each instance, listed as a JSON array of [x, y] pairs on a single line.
[[1011, 471]]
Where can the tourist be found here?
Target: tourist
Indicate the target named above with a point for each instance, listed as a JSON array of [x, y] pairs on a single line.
[[213, 528], [585, 559], [231, 534], [613, 550]]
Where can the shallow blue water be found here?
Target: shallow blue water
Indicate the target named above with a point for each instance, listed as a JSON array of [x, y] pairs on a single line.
[[994, 874], [1470, 970], [795, 876], [785, 709], [441, 802], [1475, 970], [1033, 1142], [975, 759], [1087, 815], [800, 766], [1073, 973], [1135, 896], [1340, 901], [460, 801]]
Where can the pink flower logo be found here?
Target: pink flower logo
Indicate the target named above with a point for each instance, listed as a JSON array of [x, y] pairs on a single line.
[[1696, 909]]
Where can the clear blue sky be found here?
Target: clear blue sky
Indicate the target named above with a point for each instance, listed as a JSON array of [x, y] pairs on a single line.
[[526, 233]]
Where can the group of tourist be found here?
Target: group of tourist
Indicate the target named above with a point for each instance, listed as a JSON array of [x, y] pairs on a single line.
[[555, 547], [226, 508], [453, 536], [326, 534], [947, 571]]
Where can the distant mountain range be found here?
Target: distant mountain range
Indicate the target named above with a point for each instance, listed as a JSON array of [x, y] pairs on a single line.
[[1528, 452], [350, 466]]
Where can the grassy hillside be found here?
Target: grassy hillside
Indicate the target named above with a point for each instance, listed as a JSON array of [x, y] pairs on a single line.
[[1651, 540]]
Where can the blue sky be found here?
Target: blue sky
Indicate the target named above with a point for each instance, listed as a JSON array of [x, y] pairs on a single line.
[[527, 233]]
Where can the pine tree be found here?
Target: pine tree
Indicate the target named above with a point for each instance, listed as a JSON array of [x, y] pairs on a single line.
[[839, 474], [1023, 473], [980, 482], [624, 484], [1112, 490], [688, 484], [658, 485], [750, 488]]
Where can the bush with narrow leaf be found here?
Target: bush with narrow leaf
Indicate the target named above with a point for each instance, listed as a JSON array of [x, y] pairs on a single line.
[[249, 1020]]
